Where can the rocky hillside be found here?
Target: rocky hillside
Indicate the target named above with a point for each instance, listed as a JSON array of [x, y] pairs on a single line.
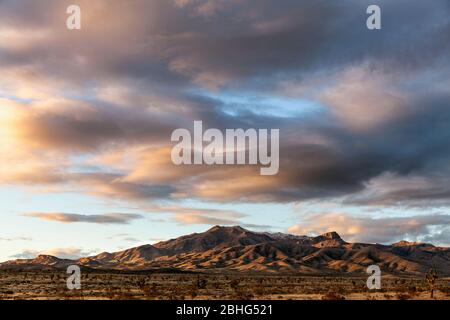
[[237, 249]]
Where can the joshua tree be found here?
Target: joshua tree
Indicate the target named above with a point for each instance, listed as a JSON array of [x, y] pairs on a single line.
[[431, 280]]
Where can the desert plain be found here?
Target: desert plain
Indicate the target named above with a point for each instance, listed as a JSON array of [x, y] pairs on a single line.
[[104, 285]]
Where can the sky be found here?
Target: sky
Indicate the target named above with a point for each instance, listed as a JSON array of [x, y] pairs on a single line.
[[86, 118]]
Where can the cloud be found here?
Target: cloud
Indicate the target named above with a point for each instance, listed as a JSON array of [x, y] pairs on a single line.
[[116, 186], [97, 120], [124, 237], [62, 253], [11, 239], [198, 219], [367, 89], [414, 190], [428, 228], [111, 218], [213, 220], [130, 238], [201, 216]]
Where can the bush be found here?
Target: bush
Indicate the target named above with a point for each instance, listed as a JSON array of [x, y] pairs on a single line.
[[333, 296]]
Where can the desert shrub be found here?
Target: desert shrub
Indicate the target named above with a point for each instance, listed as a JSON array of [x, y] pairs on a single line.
[[242, 294], [412, 291], [201, 283], [403, 296], [120, 295], [150, 290], [332, 295], [193, 293], [234, 284], [259, 290], [445, 289]]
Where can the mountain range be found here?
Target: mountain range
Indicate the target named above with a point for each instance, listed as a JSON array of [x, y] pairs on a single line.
[[235, 249]]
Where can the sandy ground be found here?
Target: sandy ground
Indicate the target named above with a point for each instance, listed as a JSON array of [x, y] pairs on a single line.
[[52, 285]]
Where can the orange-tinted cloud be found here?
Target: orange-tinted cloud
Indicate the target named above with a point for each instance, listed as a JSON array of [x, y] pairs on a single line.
[[432, 227]]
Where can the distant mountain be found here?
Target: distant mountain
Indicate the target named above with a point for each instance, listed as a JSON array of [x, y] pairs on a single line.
[[40, 262], [235, 249]]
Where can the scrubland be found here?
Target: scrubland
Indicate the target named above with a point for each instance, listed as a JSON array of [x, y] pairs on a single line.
[[51, 285]]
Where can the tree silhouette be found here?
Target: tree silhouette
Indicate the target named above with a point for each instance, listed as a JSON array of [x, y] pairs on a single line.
[[431, 280]]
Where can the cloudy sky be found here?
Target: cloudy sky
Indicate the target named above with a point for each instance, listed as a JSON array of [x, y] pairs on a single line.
[[86, 118]]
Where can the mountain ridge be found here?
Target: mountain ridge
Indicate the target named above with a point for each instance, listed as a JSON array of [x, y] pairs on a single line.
[[235, 249]]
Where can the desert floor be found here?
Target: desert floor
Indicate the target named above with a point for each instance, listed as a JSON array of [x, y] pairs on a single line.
[[109, 285]]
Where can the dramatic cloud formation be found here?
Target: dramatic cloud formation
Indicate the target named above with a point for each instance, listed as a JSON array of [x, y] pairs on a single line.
[[364, 115], [111, 218], [374, 115]]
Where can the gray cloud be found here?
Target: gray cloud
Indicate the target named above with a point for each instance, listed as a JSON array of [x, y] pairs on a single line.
[[11, 239], [382, 97], [111, 218], [289, 37]]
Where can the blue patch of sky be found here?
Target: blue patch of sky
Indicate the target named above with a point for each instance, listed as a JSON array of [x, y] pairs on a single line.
[[235, 103]]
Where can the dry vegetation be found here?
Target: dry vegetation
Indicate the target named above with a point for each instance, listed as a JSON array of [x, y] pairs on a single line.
[[52, 285]]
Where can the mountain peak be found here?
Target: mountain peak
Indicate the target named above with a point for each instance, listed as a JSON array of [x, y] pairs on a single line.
[[405, 243], [215, 237], [225, 228], [46, 258], [328, 239], [331, 235]]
